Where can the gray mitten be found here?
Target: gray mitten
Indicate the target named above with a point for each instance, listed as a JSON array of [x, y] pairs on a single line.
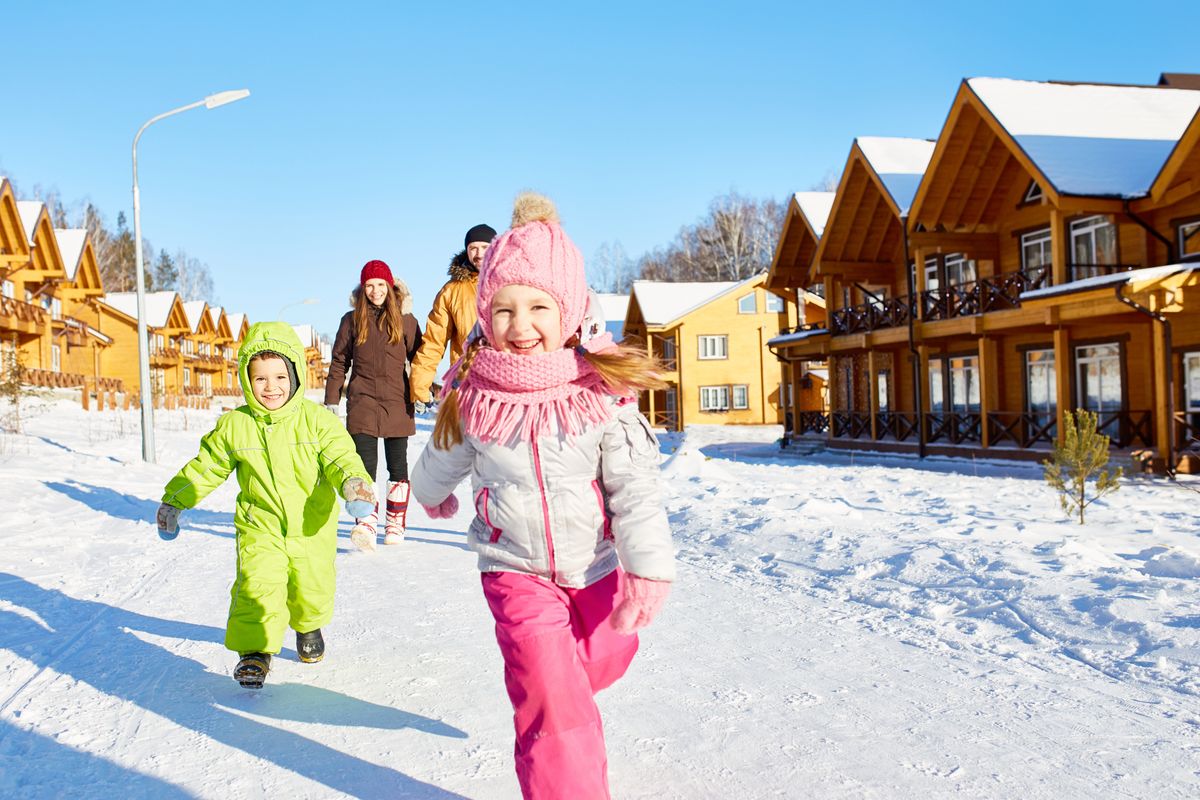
[[168, 521]]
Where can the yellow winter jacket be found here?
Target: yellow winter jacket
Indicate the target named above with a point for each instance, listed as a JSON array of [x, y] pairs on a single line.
[[450, 321]]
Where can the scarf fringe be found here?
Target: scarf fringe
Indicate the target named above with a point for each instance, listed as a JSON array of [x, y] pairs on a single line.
[[492, 419]]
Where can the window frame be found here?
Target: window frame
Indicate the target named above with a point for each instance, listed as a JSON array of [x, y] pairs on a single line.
[[712, 338], [733, 393], [777, 301], [1181, 239], [753, 298], [720, 391]]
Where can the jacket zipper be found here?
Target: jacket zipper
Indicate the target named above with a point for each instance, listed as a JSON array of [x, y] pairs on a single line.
[[481, 508], [537, 468], [608, 534]]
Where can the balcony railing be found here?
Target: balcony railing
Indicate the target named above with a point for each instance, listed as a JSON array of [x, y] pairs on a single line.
[[954, 428], [899, 426], [664, 419], [890, 313], [1024, 429], [998, 293], [850, 424], [21, 311], [1127, 428]]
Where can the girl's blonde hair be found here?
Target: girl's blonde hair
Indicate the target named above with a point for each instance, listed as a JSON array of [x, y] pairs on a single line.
[[390, 321], [625, 370]]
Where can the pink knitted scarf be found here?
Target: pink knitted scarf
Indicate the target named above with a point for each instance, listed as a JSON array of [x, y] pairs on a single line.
[[508, 397]]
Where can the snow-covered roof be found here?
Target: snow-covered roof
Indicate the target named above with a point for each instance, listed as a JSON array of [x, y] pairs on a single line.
[[1088, 139], [899, 163], [29, 211], [614, 306], [214, 314], [662, 301], [195, 313], [1115, 279], [307, 334], [158, 306], [236, 318], [798, 336], [815, 206], [98, 335], [70, 245]]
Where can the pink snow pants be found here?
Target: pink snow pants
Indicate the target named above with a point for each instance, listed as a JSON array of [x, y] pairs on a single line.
[[559, 650]]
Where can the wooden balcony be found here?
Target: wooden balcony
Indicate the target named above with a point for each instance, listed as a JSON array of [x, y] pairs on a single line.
[[52, 380], [164, 356], [17, 315], [998, 293]]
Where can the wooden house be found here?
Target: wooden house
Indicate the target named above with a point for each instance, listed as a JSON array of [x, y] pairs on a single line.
[[316, 356], [1030, 253], [37, 283], [76, 331], [712, 338], [21, 323], [202, 358], [167, 327], [225, 379], [806, 376]]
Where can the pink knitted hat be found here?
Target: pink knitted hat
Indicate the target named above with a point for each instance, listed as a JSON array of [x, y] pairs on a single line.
[[536, 252]]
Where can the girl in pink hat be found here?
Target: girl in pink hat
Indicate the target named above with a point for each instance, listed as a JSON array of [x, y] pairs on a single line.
[[569, 526]]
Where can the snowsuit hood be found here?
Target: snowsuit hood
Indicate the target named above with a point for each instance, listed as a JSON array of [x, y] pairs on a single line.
[[281, 338]]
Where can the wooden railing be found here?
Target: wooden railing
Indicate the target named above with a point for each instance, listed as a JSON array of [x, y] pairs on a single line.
[[954, 428], [664, 419], [1024, 429], [1187, 432], [52, 380], [1127, 428], [22, 311], [899, 426], [812, 422], [850, 424], [890, 313], [808, 327], [997, 293]]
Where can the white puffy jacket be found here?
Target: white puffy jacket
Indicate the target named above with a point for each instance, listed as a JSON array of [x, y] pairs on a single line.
[[562, 508]]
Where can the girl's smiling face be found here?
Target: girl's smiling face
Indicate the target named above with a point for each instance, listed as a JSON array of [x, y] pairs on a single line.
[[525, 320], [376, 289], [270, 382]]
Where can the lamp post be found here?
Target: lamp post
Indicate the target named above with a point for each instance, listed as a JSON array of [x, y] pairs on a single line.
[[146, 399], [308, 301]]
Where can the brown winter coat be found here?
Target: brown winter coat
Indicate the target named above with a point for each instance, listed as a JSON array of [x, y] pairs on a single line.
[[450, 320], [377, 396]]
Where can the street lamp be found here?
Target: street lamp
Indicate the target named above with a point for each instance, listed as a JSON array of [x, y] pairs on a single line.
[[308, 301], [146, 400]]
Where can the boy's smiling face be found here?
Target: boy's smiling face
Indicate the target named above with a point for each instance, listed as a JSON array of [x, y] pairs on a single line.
[[270, 382]]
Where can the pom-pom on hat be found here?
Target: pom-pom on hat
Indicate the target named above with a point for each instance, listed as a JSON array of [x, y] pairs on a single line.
[[536, 252], [375, 269]]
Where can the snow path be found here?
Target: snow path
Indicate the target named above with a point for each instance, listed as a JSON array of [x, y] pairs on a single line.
[[841, 628]]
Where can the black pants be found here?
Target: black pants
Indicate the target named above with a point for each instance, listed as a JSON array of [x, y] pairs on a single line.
[[395, 450]]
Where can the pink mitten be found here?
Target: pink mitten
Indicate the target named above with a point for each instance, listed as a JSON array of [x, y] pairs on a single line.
[[443, 510], [643, 600]]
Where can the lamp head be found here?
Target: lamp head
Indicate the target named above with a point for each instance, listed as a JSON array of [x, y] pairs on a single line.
[[221, 98]]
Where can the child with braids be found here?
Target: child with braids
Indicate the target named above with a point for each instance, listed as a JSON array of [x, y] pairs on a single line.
[[572, 537]]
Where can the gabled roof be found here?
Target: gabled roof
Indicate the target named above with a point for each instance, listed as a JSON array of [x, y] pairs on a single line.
[[163, 309], [614, 307], [662, 303], [14, 241], [220, 322], [70, 245], [1087, 139], [899, 163], [197, 316], [238, 325], [39, 231], [863, 232], [803, 225], [308, 335], [1182, 165]]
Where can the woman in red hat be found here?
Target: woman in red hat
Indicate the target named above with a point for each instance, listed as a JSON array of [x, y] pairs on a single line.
[[375, 343]]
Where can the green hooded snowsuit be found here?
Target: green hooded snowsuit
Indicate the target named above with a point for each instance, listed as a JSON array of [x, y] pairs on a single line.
[[290, 466]]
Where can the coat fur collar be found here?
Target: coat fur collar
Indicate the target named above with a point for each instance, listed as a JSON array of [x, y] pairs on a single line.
[[461, 268]]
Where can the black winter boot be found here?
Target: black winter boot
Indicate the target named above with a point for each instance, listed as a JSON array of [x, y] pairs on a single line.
[[310, 646], [252, 670]]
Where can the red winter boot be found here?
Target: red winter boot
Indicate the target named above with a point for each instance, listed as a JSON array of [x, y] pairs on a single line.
[[397, 512]]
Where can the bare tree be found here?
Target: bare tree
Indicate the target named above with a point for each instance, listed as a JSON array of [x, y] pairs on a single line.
[[611, 270], [193, 280], [733, 241], [828, 183]]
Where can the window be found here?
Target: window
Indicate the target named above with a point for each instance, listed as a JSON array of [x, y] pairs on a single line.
[[187, 376], [882, 393], [1093, 246], [741, 396], [748, 304], [55, 358], [959, 269], [668, 349], [669, 396], [937, 394], [785, 394], [775, 302], [29, 296], [714, 398], [7, 289], [964, 385], [931, 274], [1041, 387], [1033, 194], [55, 308], [714, 347], [1098, 375], [1036, 253], [876, 296], [1189, 241]]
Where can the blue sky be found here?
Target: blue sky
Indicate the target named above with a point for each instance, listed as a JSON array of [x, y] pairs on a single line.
[[380, 131]]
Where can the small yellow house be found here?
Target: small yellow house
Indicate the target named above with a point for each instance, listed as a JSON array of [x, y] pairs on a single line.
[[21, 323], [77, 331], [316, 355], [712, 337], [37, 282], [202, 359]]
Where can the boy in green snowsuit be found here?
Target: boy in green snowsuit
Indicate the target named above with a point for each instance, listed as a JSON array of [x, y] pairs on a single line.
[[292, 458]]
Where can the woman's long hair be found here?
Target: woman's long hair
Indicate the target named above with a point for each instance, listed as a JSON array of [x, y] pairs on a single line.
[[390, 323], [625, 370]]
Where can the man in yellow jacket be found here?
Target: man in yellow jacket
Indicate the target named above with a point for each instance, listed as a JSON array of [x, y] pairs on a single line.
[[292, 459], [452, 316]]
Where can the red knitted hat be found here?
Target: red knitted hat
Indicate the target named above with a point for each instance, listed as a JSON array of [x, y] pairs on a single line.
[[376, 269]]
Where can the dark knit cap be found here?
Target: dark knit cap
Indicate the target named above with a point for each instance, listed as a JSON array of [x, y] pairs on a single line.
[[480, 233]]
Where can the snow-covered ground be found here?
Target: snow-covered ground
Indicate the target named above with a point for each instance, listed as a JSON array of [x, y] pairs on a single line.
[[842, 628]]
